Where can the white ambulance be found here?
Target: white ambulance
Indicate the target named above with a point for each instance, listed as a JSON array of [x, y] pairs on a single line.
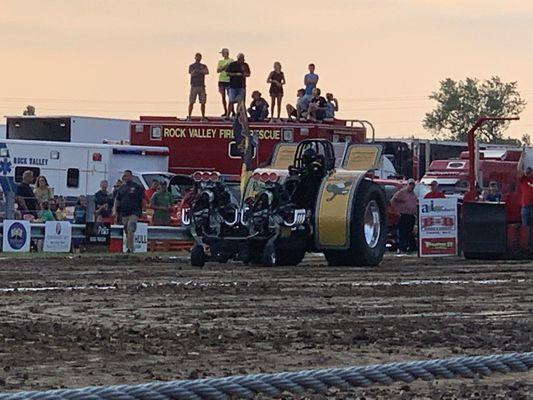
[[74, 169]]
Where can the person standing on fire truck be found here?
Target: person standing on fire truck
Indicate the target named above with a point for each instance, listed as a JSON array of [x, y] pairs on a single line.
[[223, 78], [526, 192], [198, 71], [237, 71]]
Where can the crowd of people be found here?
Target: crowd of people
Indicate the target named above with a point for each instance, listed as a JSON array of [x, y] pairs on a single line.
[[124, 204], [232, 74]]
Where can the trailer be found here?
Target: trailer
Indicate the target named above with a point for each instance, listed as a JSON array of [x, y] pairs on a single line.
[[68, 128], [74, 169]]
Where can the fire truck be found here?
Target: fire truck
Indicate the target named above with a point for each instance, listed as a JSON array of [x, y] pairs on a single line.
[[197, 145]]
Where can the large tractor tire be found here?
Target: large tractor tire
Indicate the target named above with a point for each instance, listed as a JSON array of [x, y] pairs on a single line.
[[368, 236], [291, 251]]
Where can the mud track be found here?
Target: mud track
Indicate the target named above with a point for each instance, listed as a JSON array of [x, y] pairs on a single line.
[[76, 322]]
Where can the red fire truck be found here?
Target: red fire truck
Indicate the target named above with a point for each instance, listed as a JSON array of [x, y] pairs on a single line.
[[208, 146]]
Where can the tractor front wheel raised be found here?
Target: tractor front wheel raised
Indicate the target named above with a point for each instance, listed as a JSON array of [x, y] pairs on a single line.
[[368, 229]]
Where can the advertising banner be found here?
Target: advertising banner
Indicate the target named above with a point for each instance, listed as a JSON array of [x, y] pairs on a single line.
[[16, 236], [57, 236], [97, 234], [437, 227], [140, 239]]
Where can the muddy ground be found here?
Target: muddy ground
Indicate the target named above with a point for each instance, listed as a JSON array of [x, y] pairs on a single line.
[[71, 322]]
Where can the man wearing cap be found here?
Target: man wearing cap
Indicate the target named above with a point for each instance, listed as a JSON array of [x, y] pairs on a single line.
[[223, 78], [434, 193], [526, 192], [404, 202], [237, 71], [198, 71]]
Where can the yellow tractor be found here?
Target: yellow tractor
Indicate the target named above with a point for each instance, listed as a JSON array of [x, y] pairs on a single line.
[[314, 197]]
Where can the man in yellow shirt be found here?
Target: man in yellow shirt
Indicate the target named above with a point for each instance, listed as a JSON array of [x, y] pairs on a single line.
[[223, 78]]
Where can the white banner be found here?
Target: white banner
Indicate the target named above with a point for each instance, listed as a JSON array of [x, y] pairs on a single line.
[[437, 227], [57, 236], [140, 239], [16, 236]]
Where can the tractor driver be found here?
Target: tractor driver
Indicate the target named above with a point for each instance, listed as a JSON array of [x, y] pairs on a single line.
[[526, 192]]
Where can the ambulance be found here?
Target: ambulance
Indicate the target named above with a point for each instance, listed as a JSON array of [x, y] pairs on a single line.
[[74, 169]]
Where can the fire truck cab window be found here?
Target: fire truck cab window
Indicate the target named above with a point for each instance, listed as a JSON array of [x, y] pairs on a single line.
[[234, 152], [20, 170], [73, 177]]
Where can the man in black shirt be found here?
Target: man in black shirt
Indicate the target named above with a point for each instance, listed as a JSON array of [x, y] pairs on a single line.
[[24, 195], [129, 205], [317, 106], [198, 71], [258, 110], [237, 71]]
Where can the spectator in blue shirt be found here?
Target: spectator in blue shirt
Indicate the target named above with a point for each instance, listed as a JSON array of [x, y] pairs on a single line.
[[310, 80]]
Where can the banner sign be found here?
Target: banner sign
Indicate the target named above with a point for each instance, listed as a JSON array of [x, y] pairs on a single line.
[[98, 233], [57, 236], [16, 236], [437, 227], [140, 239]]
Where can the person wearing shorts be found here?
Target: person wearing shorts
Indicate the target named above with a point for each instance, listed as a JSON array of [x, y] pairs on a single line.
[[223, 78], [276, 79], [237, 71], [198, 71], [129, 204]]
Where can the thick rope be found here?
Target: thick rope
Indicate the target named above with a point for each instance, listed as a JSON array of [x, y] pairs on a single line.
[[248, 386]]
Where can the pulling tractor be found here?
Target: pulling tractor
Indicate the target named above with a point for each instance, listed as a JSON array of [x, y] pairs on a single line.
[[307, 200]]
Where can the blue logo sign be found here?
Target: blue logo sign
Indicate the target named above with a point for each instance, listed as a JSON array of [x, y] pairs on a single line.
[[17, 236], [5, 166]]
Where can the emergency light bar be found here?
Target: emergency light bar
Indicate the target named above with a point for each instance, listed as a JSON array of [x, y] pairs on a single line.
[[140, 152]]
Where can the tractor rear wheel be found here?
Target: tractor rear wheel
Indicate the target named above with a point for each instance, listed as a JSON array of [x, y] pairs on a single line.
[[368, 234]]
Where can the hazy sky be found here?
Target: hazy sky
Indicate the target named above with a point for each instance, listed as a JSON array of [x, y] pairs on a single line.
[[381, 58]]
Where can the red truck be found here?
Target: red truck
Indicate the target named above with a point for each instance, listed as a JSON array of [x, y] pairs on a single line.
[[208, 146]]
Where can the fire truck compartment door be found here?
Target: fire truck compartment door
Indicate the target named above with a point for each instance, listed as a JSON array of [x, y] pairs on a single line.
[[362, 157], [283, 155], [334, 209]]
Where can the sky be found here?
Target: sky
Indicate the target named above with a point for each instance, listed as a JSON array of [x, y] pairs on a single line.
[[380, 58]]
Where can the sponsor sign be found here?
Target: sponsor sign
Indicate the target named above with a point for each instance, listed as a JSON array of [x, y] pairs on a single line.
[[98, 233], [57, 236], [437, 227], [16, 236], [140, 239]]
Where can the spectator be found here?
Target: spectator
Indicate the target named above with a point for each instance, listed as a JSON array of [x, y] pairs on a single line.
[[404, 202], [129, 204], [103, 202], [237, 71], [526, 192], [492, 193], [80, 211], [332, 106], [302, 105], [160, 203], [258, 107], [223, 78], [434, 193], [317, 106], [45, 214], [116, 187], [310, 80], [198, 71], [276, 79], [148, 193], [25, 197], [61, 212], [42, 191]]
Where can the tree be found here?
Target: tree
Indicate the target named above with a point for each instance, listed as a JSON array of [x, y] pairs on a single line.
[[526, 139], [30, 110], [460, 104]]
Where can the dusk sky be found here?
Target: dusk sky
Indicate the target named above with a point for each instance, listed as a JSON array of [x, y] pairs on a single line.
[[381, 58]]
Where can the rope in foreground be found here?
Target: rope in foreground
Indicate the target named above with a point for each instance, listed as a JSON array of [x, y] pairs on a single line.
[[247, 386]]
